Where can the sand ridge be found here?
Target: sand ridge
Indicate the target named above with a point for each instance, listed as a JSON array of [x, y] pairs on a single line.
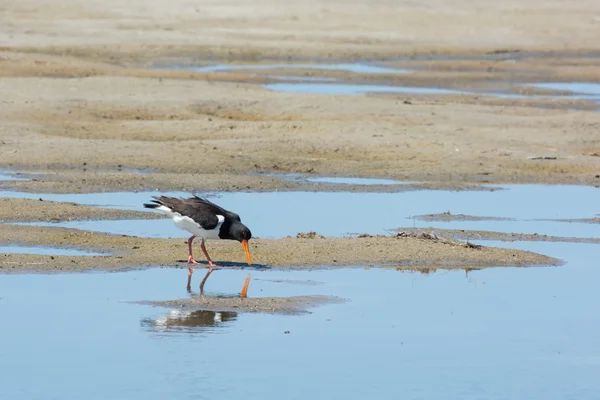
[[124, 251]]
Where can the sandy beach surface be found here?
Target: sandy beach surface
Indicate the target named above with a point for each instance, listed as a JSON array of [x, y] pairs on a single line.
[[78, 91], [103, 97]]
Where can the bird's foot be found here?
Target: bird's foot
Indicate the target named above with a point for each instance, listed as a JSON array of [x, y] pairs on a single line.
[[212, 265], [192, 261]]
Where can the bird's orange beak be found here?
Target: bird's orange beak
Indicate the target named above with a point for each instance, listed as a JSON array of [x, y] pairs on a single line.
[[247, 252]]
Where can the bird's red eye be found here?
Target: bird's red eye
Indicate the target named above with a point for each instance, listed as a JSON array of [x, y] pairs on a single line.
[[244, 234]]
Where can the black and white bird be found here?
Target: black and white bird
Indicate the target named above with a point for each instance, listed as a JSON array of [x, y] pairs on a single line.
[[205, 220]]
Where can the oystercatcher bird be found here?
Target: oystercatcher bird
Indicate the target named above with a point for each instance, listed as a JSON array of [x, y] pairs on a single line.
[[205, 220]]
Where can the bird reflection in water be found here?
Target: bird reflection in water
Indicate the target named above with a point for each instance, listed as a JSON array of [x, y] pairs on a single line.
[[181, 320], [243, 293]]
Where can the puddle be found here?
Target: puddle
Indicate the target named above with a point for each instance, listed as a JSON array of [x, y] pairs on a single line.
[[528, 208], [343, 88], [323, 85], [534, 328], [582, 90], [356, 181], [302, 78], [337, 180], [44, 250], [355, 68], [12, 176]]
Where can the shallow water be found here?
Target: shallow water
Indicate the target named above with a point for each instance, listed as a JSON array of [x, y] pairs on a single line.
[[164, 228], [590, 89], [46, 250], [339, 213], [11, 176], [356, 68], [319, 85], [494, 334], [355, 181], [347, 88], [584, 91], [302, 78], [338, 180]]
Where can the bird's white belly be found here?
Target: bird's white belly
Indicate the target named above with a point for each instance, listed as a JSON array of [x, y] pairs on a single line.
[[188, 224]]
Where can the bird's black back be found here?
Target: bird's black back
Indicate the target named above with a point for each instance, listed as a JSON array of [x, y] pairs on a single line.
[[200, 210]]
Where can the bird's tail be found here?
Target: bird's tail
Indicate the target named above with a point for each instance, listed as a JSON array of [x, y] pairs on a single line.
[[154, 204]]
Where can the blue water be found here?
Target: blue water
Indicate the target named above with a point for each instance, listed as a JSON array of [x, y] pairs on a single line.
[[496, 333], [354, 181], [347, 88], [46, 250], [302, 78], [337, 180], [356, 68], [584, 91], [583, 88], [11, 176], [489, 334], [279, 214]]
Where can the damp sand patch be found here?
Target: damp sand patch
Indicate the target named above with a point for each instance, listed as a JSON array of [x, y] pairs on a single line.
[[462, 234], [272, 305], [594, 220], [447, 216], [23, 210], [287, 253]]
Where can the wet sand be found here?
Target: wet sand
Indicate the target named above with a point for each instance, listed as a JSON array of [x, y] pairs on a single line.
[[594, 220], [28, 210], [117, 121], [90, 91], [447, 216], [287, 253], [271, 305], [79, 180], [462, 234]]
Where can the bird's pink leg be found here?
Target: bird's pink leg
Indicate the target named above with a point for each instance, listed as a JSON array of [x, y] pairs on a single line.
[[190, 256], [210, 270], [189, 283], [190, 261], [210, 262]]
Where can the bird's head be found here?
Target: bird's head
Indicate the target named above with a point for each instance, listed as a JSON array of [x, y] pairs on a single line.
[[242, 234]]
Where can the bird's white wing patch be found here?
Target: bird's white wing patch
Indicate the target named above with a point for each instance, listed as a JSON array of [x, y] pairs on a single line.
[[166, 210], [188, 224]]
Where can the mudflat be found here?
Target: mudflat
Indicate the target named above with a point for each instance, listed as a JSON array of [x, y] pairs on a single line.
[[288, 253], [271, 305], [462, 234], [28, 210], [80, 93]]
